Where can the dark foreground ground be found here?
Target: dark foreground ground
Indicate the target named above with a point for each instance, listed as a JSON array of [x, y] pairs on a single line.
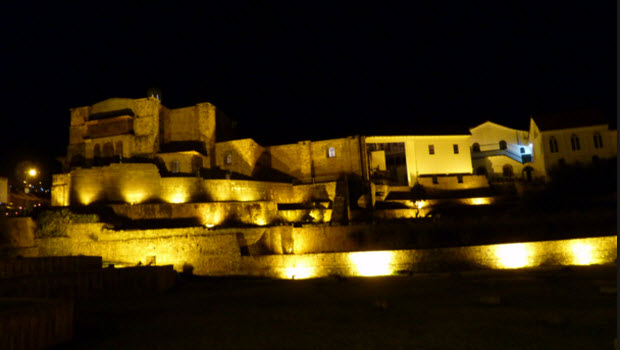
[[569, 308]]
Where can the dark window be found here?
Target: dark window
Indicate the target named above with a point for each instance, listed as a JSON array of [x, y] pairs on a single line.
[[431, 149], [459, 178], [522, 150], [553, 145], [97, 151], [476, 147], [108, 150], [481, 170], [507, 170], [503, 145], [598, 140], [456, 149], [435, 180], [574, 143]]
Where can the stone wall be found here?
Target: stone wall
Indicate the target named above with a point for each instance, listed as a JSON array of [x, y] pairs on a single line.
[[136, 183], [240, 156], [128, 183], [207, 214], [309, 160], [285, 251], [4, 190], [17, 236], [452, 183]]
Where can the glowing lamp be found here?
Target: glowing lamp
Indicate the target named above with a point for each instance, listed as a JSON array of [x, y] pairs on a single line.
[[372, 263], [512, 256]]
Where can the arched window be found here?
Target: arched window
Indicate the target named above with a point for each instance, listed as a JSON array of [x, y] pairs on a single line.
[[574, 143], [228, 159], [553, 144], [503, 145], [119, 148], [331, 152], [598, 140], [522, 149], [97, 151], [475, 147], [507, 170]]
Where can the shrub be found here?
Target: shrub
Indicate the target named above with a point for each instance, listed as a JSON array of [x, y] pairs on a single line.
[[54, 223]]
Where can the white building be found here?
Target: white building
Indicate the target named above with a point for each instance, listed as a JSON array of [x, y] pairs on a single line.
[[580, 137], [500, 152], [441, 162]]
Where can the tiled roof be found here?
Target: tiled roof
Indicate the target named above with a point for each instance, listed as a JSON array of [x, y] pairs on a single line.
[[569, 120]]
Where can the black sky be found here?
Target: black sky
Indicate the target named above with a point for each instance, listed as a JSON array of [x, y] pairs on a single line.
[[290, 71]]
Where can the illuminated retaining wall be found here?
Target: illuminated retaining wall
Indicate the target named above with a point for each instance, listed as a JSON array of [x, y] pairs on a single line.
[[283, 251], [585, 251], [207, 214], [138, 183]]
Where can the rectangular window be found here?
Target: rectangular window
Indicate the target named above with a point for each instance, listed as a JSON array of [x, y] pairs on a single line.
[[431, 149], [456, 149], [435, 180], [459, 178], [175, 166]]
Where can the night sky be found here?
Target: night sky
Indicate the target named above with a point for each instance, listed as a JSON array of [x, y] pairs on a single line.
[[290, 71]]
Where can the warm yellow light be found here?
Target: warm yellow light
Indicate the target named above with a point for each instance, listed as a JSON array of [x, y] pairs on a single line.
[[420, 204], [32, 172], [372, 263], [210, 225], [299, 272], [582, 253], [480, 201], [512, 256], [260, 221], [134, 197], [178, 197], [86, 197]]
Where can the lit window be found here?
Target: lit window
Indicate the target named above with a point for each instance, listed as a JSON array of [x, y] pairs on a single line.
[[553, 145], [574, 143], [228, 159], [331, 152], [456, 149], [598, 140], [431, 149]]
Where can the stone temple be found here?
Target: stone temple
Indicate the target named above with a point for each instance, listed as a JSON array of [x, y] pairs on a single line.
[[149, 162]]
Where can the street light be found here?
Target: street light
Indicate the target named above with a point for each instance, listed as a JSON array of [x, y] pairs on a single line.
[[32, 172]]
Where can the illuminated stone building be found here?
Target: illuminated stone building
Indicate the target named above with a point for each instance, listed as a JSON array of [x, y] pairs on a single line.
[[151, 162]]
